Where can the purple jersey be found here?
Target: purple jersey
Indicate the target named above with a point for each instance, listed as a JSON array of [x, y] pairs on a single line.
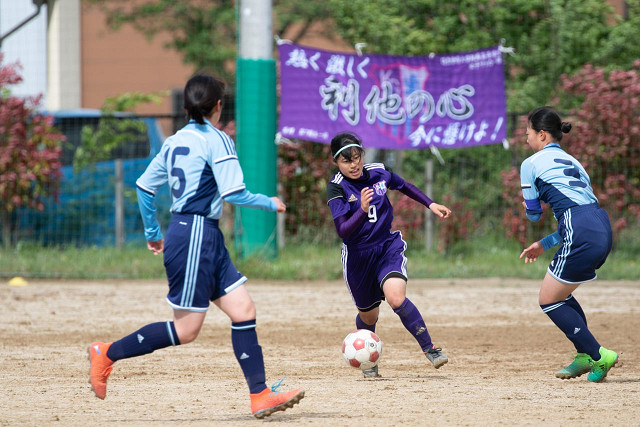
[[343, 195]]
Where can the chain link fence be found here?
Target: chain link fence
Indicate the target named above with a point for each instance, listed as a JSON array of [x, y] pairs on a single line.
[[98, 205]]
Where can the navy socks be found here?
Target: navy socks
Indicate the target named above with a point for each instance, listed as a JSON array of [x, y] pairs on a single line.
[[163, 334], [249, 354], [144, 341], [361, 325], [569, 317], [572, 302], [413, 322]]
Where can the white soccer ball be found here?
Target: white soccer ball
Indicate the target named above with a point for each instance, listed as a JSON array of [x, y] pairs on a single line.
[[362, 349]]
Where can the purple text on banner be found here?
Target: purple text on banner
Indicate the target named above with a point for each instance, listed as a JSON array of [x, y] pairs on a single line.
[[393, 102]]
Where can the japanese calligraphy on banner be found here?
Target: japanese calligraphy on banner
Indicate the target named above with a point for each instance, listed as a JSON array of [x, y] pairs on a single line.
[[395, 102]]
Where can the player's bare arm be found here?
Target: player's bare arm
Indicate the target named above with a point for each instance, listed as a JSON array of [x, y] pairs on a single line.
[[440, 210]]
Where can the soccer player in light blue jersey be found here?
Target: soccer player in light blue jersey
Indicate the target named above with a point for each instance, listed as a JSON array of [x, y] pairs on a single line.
[[201, 167], [555, 177]]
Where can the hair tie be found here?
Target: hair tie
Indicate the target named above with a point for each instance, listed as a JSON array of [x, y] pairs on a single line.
[[335, 156]]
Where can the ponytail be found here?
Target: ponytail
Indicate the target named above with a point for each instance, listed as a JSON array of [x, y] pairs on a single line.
[[201, 94]]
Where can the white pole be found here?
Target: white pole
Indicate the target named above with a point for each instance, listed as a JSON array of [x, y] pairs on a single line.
[[428, 222], [256, 30], [119, 208], [63, 55]]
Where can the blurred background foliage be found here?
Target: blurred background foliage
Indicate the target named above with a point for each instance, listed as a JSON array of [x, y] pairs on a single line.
[[576, 55]]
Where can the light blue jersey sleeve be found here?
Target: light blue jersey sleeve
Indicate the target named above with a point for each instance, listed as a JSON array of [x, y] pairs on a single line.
[[530, 191], [154, 177], [551, 240], [230, 178], [246, 198], [147, 205], [226, 167]]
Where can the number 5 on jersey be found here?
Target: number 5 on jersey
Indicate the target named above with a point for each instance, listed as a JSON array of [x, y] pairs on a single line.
[[178, 172]]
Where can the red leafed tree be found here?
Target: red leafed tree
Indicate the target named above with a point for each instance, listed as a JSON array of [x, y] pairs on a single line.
[[606, 136], [303, 173], [29, 153], [457, 228]]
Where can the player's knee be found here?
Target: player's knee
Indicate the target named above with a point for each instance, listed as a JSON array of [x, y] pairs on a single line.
[[187, 334], [369, 317], [187, 337], [250, 312], [246, 311], [394, 299]]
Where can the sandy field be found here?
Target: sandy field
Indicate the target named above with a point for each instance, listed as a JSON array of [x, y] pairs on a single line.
[[503, 353]]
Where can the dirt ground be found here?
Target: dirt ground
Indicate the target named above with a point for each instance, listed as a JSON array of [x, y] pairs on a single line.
[[503, 352]]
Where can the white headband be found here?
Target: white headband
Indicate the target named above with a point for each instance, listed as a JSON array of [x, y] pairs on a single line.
[[346, 146]]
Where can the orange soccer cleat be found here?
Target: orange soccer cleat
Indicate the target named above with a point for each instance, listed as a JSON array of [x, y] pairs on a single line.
[[270, 400], [100, 368]]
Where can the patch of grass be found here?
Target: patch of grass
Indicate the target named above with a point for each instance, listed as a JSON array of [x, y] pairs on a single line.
[[472, 259], [80, 263]]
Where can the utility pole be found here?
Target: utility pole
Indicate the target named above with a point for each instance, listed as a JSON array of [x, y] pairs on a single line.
[[256, 230]]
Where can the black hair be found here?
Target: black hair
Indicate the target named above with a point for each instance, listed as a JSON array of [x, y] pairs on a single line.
[[201, 95], [342, 140], [546, 119]]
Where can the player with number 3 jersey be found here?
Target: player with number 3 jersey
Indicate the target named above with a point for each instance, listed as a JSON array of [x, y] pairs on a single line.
[[201, 166], [373, 259], [557, 178]]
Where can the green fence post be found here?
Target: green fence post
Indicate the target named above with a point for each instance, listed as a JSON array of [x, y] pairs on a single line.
[[256, 126]]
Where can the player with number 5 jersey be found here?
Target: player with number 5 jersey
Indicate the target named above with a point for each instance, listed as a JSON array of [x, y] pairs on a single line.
[[373, 257], [553, 176], [201, 166]]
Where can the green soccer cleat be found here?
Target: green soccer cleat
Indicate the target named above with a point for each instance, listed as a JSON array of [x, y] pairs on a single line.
[[581, 365], [600, 368]]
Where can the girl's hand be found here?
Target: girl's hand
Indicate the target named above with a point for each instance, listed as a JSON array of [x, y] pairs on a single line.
[[441, 210], [532, 252], [366, 195], [281, 206], [156, 247]]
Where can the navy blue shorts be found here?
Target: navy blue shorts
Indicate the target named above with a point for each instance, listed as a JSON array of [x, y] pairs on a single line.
[[366, 269], [586, 243], [198, 265]]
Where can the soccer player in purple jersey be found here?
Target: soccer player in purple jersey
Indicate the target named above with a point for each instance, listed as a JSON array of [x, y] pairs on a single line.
[[373, 260], [201, 166]]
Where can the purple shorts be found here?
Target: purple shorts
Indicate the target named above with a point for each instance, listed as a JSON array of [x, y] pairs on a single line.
[[366, 269]]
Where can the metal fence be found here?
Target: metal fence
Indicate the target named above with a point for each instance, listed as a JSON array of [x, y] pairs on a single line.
[[98, 206]]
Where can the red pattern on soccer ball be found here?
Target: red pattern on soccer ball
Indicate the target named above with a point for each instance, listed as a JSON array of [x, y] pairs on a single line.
[[358, 344], [362, 349]]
